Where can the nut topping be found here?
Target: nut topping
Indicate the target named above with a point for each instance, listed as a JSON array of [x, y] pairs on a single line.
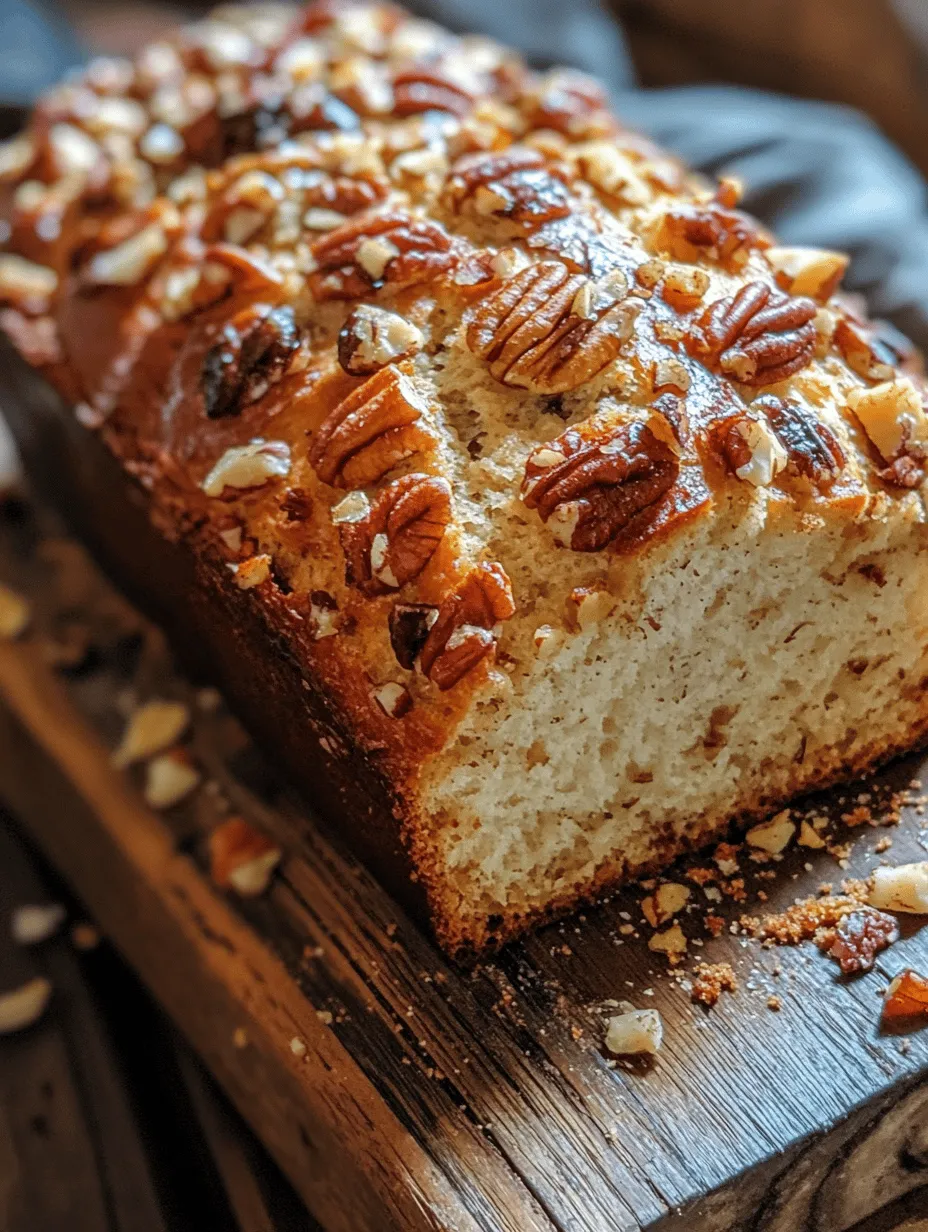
[[373, 337], [409, 627], [25, 284], [601, 486], [248, 466], [808, 271], [254, 353], [688, 232], [367, 252], [752, 450], [873, 349], [812, 448], [370, 431], [758, 336], [464, 632], [394, 542], [423, 89], [533, 339], [894, 419], [516, 184]]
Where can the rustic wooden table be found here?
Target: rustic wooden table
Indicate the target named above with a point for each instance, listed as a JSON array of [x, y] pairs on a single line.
[[416, 1096]]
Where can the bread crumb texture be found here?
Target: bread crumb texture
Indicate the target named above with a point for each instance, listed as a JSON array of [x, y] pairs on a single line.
[[596, 517]]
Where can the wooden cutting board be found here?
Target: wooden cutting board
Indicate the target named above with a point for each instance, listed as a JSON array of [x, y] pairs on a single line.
[[429, 1097]]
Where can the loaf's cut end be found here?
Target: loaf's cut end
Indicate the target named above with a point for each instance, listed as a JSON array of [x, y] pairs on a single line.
[[541, 513]]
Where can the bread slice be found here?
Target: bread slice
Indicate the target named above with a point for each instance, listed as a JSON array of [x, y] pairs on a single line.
[[514, 474]]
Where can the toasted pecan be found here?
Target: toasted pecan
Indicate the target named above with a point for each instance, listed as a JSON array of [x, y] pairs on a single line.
[[464, 632], [367, 252], [595, 487], [370, 431], [394, 542], [532, 337], [757, 336]]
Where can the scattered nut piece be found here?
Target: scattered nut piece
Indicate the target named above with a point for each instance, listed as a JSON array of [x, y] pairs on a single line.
[[24, 1006], [36, 922], [298, 1046], [635, 1032], [808, 837], [857, 939], [24, 283], [242, 858], [666, 901], [169, 778], [808, 271], [14, 614], [671, 942], [152, 727], [906, 996], [773, 835], [902, 888]]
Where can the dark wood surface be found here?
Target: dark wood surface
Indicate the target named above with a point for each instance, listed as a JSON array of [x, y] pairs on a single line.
[[108, 1123], [429, 1097]]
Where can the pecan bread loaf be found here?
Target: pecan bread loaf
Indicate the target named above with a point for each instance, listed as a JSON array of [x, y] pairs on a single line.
[[539, 511]]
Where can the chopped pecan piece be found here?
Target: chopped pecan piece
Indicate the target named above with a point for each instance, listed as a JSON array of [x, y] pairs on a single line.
[[907, 996], [409, 627], [516, 184], [367, 252], [572, 104], [725, 235], [394, 542], [811, 447], [463, 634], [416, 90], [370, 431], [373, 337], [873, 349], [758, 336], [858, 938], [254, 352], [532, 337], [893, 416], [595, 488]]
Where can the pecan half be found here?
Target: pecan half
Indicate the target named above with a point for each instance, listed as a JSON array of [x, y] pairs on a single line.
[[532, 337], [409, 627], [463, 634], [758, 336], [725, 235], [370, 431], [811, 447], [516, 185], [254, 352], [416, 90], [595, 488], [394, 542], [367, 252], [373, 337]]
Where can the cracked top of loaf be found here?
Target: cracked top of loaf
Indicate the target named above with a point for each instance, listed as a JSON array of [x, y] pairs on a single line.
[[424, 349]]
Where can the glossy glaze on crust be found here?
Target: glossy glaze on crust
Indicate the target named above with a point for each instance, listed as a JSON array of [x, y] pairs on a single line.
[[438, 339]]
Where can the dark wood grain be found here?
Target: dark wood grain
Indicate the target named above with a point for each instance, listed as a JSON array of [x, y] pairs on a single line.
[[438, 1098]]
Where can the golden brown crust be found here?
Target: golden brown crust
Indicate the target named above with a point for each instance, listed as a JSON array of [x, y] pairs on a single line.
[[324, 290]]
